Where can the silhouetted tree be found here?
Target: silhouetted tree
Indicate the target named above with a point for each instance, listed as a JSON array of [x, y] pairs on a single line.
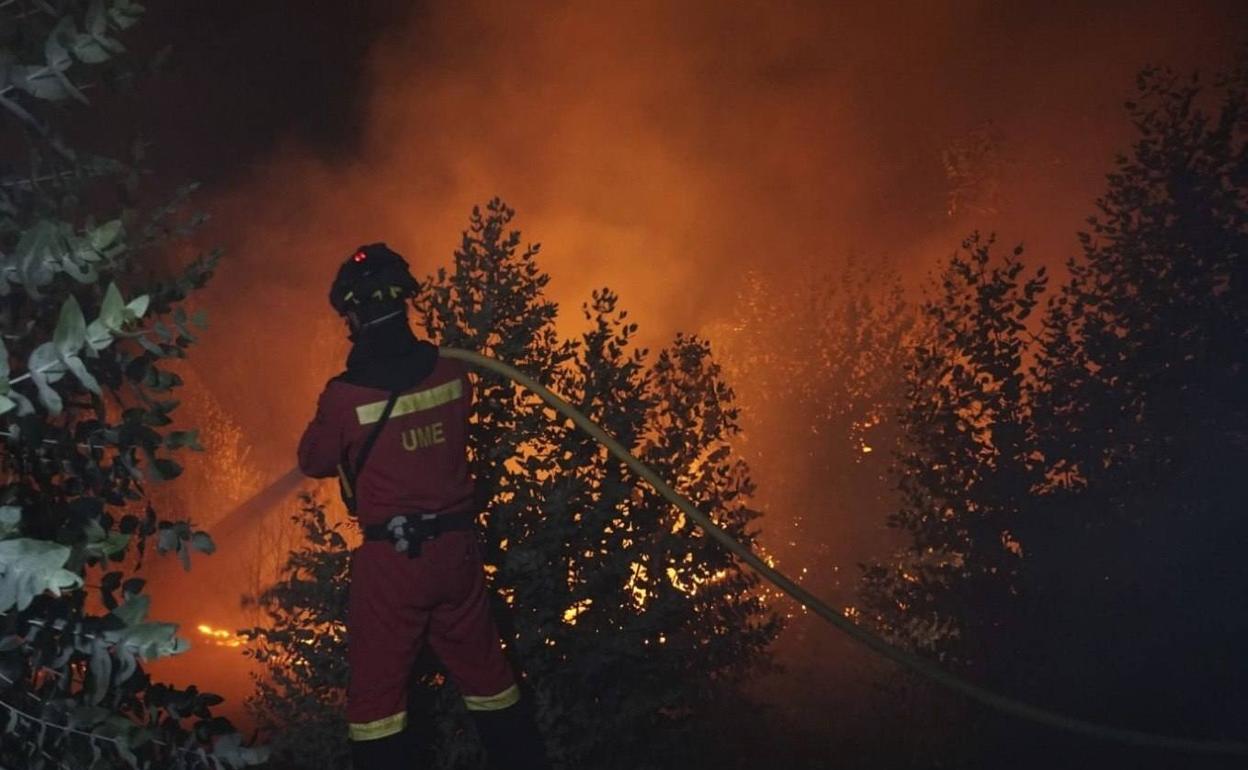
[[1076, 531], [1142, 418], [963, 469]]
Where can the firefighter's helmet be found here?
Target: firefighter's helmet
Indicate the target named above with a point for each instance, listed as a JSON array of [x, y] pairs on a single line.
[[374, 282]]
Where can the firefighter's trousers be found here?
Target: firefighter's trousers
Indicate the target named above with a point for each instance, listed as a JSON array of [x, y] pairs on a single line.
[[397, 603]]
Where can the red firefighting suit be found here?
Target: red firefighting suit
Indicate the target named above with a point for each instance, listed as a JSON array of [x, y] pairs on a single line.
[[418, 464]]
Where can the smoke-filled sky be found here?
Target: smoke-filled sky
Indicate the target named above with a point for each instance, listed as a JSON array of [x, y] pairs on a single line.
[[659, 148]]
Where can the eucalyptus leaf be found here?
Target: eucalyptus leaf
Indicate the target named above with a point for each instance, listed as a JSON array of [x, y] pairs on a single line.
[[106, 235], [88, 49], [137, 307], [37, 251], [167, 540], [79, 370], [125, 14], [127, 462], [100, 671], [94, 531], [112, 544], [98, 335], [129, 663], [83, 251], [152, 640], [71, 328], [82, 273], [24, 406], [38, 81], [184, 438], [45, 362], [150, 346], [50, 399], [134, 610], [29, 567], [112, 309], [202, 542], [55, 53]]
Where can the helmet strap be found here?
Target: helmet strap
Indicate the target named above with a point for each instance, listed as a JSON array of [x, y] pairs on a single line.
[[355, 327], [385, 317]]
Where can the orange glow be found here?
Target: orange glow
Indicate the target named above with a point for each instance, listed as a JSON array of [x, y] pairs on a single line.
[[669, 151], [219, 637]]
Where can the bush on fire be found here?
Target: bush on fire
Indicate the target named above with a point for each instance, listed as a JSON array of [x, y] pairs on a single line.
[[85, 404]]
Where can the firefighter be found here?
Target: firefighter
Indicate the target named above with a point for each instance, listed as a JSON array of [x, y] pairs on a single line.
[[393, 427]]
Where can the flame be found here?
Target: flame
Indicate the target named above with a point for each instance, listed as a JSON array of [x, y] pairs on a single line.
[[219, 637], [635, 584], [571, 613]]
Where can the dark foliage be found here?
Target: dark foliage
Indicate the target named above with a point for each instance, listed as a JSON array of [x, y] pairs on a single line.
[[87, 386], [1142, 420], [302, 649], [1076, 523]]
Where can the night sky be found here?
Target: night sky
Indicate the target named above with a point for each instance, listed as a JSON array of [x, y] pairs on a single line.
[[243, 78]]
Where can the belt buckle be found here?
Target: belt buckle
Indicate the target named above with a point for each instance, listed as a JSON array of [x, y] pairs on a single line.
[[426, 529]]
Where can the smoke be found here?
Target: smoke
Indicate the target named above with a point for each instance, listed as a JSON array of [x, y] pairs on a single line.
[[664, 149]]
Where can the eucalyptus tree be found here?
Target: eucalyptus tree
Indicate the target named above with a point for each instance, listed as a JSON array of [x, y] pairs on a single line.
[[88, 341]]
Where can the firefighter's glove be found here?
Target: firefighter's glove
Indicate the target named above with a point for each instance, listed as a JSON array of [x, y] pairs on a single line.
[[398, 533]]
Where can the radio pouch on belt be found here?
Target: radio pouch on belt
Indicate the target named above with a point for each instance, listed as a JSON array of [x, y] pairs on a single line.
[[347, 476]]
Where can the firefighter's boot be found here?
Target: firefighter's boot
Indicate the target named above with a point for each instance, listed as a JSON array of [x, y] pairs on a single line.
[[511, 739], [393, 752]]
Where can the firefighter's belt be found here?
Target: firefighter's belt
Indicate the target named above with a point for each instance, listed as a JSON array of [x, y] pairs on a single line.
[[409, 530]]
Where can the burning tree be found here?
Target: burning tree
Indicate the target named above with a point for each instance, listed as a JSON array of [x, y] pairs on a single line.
[[626, 623], [85, 405], [962, 474], [819, 363], [301, 699], [963, 466]]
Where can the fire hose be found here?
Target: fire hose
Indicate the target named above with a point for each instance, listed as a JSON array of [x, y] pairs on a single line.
[[816, 605], [919, 665]]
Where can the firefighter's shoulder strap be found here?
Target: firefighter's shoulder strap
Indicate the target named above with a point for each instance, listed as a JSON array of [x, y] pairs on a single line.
[[348, 474]]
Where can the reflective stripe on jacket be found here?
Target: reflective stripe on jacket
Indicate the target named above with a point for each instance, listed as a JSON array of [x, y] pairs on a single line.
[[419, 462]]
